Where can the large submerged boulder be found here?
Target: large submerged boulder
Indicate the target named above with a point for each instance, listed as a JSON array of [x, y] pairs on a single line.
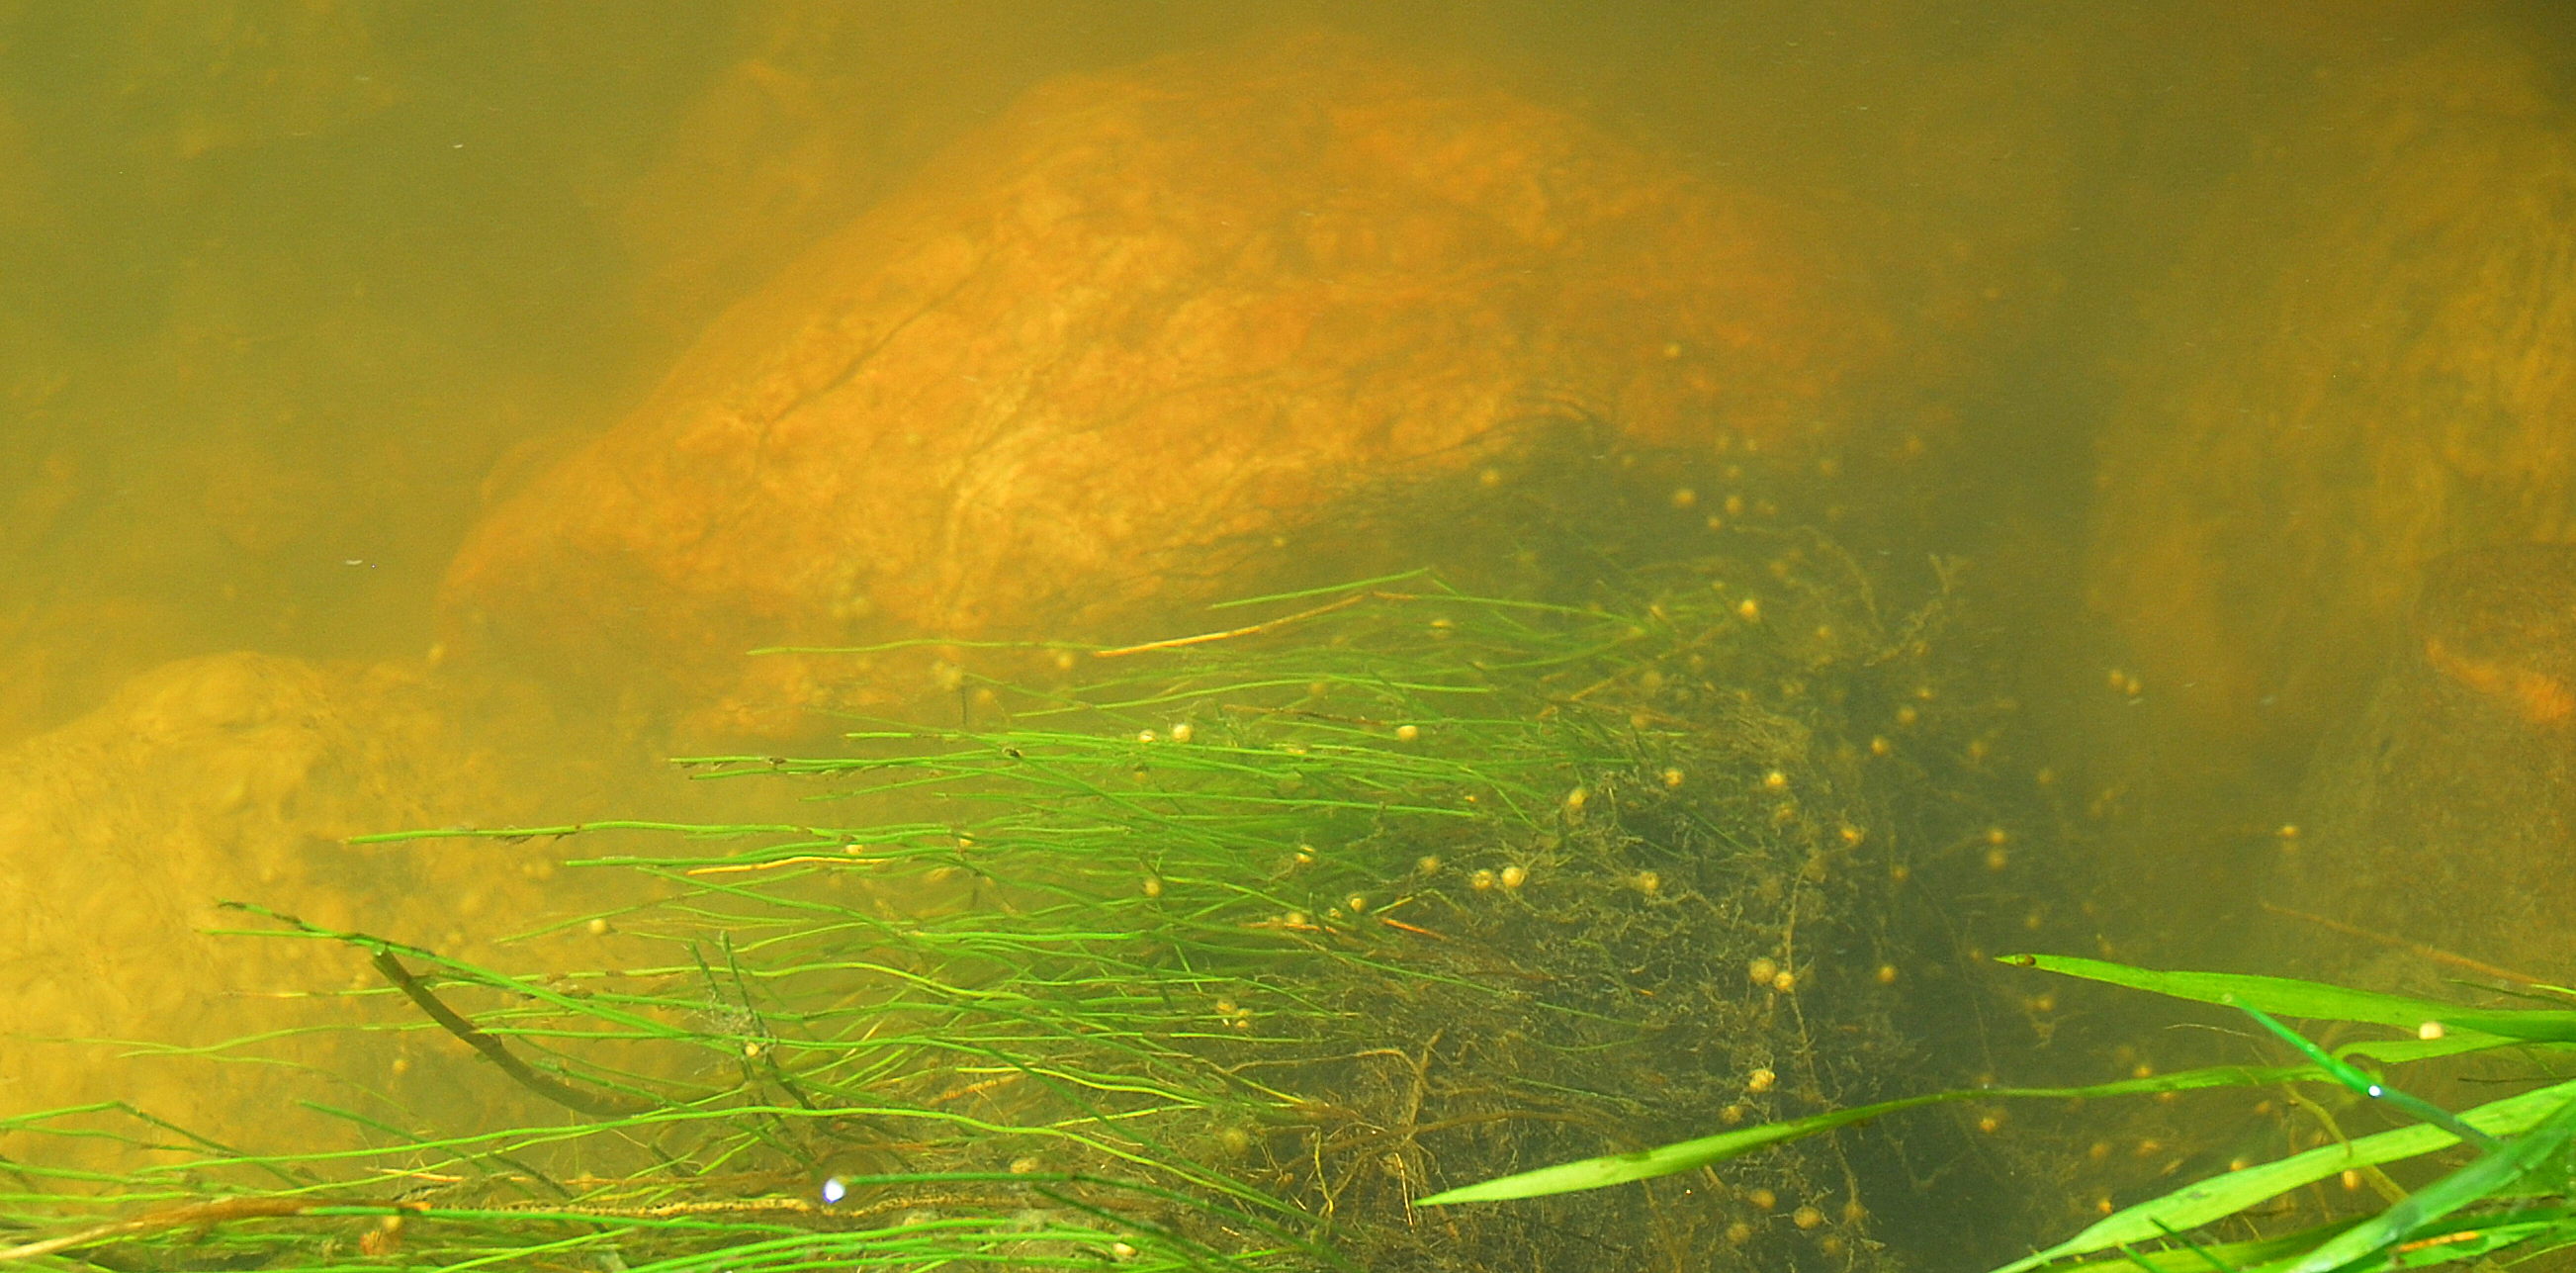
[[1104, 353]]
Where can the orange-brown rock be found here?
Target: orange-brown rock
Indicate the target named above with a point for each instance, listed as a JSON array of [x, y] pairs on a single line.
[[2439, 815], [2502, 622], [1104, 351], [236, 777], [2369, 361]]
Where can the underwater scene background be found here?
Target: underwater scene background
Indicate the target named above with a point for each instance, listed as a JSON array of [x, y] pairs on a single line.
[[863, 635]]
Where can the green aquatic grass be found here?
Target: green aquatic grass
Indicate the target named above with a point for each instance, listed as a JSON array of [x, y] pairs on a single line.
[[1152, 964], [2513, 1190], [1213, 952]]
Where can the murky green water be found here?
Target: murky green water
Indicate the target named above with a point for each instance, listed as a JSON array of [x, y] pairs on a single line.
[[2194, 332]]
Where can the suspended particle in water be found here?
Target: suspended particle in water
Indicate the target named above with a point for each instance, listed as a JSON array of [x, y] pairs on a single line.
[[1784, 981], [1731, 1115], [1854, 835], [1775, 781], [1064, 660], [2429, 1031], [1574, 800], [834, 1190], [1990, 1123], [1672, 777], [1879, 746], [1763, 1199], [1760, 1080], [1357, 902], [1515, 875], [1762, 971], [1739, 1233], [1806, 1217], [1407, 733], [597, 927], [1887, 974], [1182, 731], [1481, 881], [1305, 855], [1853, 1212], [1025, 1166], [1298, 919], [1153, 886], [1684, 497], [1144, 735], [1749, 610], [1648, 882], [1122, 1251], [1997, 859], [1907, 715], [1427, 864]]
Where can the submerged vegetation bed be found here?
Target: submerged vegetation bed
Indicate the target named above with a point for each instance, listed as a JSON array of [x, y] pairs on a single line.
[[1218, 951]]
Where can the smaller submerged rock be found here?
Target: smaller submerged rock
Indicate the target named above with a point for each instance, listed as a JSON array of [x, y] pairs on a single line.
[[2441, 816]]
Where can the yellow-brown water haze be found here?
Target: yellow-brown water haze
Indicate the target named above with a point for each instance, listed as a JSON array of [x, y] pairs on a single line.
[[329, 333]]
